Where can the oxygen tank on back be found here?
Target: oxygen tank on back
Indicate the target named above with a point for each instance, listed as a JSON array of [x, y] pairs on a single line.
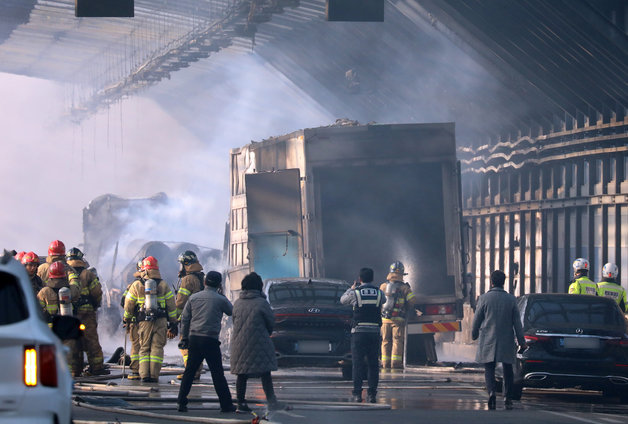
[[150, 296], [392, 292], [65, 301]]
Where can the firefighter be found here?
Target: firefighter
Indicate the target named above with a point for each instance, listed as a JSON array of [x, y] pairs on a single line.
[[192, 276], [156, 317], [399, 299], [581, 283], [56, 252], [56, 299], [608, 287], [31, 261], [90, 297], [131, 328]]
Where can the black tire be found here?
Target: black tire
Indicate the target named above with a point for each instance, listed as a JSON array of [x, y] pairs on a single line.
[[623, 396], [347, 372]]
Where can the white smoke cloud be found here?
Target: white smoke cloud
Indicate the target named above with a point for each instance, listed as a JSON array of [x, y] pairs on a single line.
[[169, 140]]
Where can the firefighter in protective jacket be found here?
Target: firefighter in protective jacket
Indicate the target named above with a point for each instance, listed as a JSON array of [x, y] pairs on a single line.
[[56, 252], [90, 297], [151, 303], [56, 299], [31, 262], [192, 276], [399, 300], [131, 327]]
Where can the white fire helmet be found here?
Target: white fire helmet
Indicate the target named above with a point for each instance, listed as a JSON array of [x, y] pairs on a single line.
[[610, 270], [580, 264]]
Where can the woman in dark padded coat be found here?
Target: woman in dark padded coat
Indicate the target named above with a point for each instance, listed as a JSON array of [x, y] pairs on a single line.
[[252, 350]]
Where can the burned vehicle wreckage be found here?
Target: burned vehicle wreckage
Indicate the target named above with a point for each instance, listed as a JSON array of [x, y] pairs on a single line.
[[319, 204]]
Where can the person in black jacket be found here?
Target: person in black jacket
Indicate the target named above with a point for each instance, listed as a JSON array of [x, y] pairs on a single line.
[[367, 301], [200, 328]]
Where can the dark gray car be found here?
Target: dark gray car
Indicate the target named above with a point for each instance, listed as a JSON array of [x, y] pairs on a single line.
[[312, 327], [574, 341]]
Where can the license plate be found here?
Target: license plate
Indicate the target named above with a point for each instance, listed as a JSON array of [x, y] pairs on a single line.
[[581, 343], [313, 346]]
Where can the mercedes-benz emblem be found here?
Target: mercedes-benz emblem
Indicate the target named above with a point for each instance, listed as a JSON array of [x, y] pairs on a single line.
[[578, 330], [314, 310]]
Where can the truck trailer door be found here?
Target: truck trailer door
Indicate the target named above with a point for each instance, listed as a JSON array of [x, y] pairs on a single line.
[[274, 223]]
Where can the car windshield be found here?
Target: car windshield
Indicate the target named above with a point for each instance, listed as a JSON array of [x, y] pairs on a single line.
[[303, 293], [576, 311], [12, 303]]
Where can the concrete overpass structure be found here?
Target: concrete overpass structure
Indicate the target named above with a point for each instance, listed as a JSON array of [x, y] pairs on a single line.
[[538, 90]]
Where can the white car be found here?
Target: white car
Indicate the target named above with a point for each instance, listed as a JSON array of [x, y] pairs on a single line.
[[35, 382]]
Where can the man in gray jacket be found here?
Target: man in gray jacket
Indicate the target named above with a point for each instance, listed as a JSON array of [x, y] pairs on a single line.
[[496, 316], [200, 328]]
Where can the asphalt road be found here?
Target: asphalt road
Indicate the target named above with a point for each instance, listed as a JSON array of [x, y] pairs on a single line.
[[423, 394]]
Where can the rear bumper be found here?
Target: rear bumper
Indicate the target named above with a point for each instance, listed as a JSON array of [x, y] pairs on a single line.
[[549, 379], [41, 405]]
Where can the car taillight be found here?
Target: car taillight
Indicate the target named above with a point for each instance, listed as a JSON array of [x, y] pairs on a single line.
[[48, 365], [617, 342], [440, 309], [533, 339], [30, 366]]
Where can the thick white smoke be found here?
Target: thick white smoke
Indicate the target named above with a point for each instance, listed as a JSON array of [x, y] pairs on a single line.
[[167, 140]]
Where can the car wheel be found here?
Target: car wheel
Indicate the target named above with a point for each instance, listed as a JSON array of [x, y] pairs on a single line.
[[623, 396], [347, 372]]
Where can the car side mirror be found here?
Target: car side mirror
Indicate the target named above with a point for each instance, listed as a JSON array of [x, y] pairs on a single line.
[[66, 327]]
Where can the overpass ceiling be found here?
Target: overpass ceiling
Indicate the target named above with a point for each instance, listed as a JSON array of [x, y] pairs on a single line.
[[493, 66]]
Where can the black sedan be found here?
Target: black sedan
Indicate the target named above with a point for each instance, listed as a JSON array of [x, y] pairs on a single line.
[[312, 327], [574, 341]]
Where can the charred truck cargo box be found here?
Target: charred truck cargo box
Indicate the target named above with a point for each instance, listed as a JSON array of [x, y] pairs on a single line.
[[324, 202]]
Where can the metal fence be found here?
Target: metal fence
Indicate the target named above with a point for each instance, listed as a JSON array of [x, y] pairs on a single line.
[[536, 203]]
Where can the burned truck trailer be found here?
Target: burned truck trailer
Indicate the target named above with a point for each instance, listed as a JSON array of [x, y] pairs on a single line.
[[325, 202]]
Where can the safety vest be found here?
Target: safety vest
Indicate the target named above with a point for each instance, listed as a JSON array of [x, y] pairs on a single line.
[[583, 285], [366, 311], [611, 290]]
